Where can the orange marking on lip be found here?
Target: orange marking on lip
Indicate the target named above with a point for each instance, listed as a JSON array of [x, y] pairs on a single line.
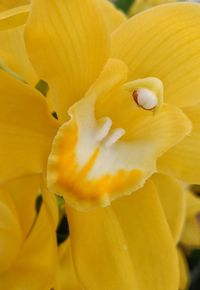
[[89, 164], [73, 181]]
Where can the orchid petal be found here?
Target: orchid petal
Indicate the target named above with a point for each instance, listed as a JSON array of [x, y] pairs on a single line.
[[65, 49], [10, 232], [163, 42], [5, 4], [12, 47], [26, 135], [112, 16], [35, 267], [24, 192], [14, 17], [173, 199], [125, 239], [183, 160], [66, 276]]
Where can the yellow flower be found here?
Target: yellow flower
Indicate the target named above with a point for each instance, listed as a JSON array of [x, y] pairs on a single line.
[[101, 152], [105, 143], [27, 241]]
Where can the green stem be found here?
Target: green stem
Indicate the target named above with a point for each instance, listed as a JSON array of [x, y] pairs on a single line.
[[123, 4]]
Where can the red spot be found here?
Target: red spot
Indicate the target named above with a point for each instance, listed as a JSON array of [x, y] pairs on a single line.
[[135, 96]]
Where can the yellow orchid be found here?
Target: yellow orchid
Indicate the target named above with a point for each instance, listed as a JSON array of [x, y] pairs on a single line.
[[28, 246], [113, 131], [88, 143]]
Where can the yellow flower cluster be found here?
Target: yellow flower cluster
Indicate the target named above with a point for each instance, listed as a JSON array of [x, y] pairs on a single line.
[[121, 152]]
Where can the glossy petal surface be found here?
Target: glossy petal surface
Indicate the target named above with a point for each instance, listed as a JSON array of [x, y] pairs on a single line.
[[65, 49], [164, 42], [7, 4], [183, 160], [12, 48], [12, 18], [10, 232], [66, 276], [112, 16], [136, 230], [35, 266], [24, 192], [173, 199], [26, 129]]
